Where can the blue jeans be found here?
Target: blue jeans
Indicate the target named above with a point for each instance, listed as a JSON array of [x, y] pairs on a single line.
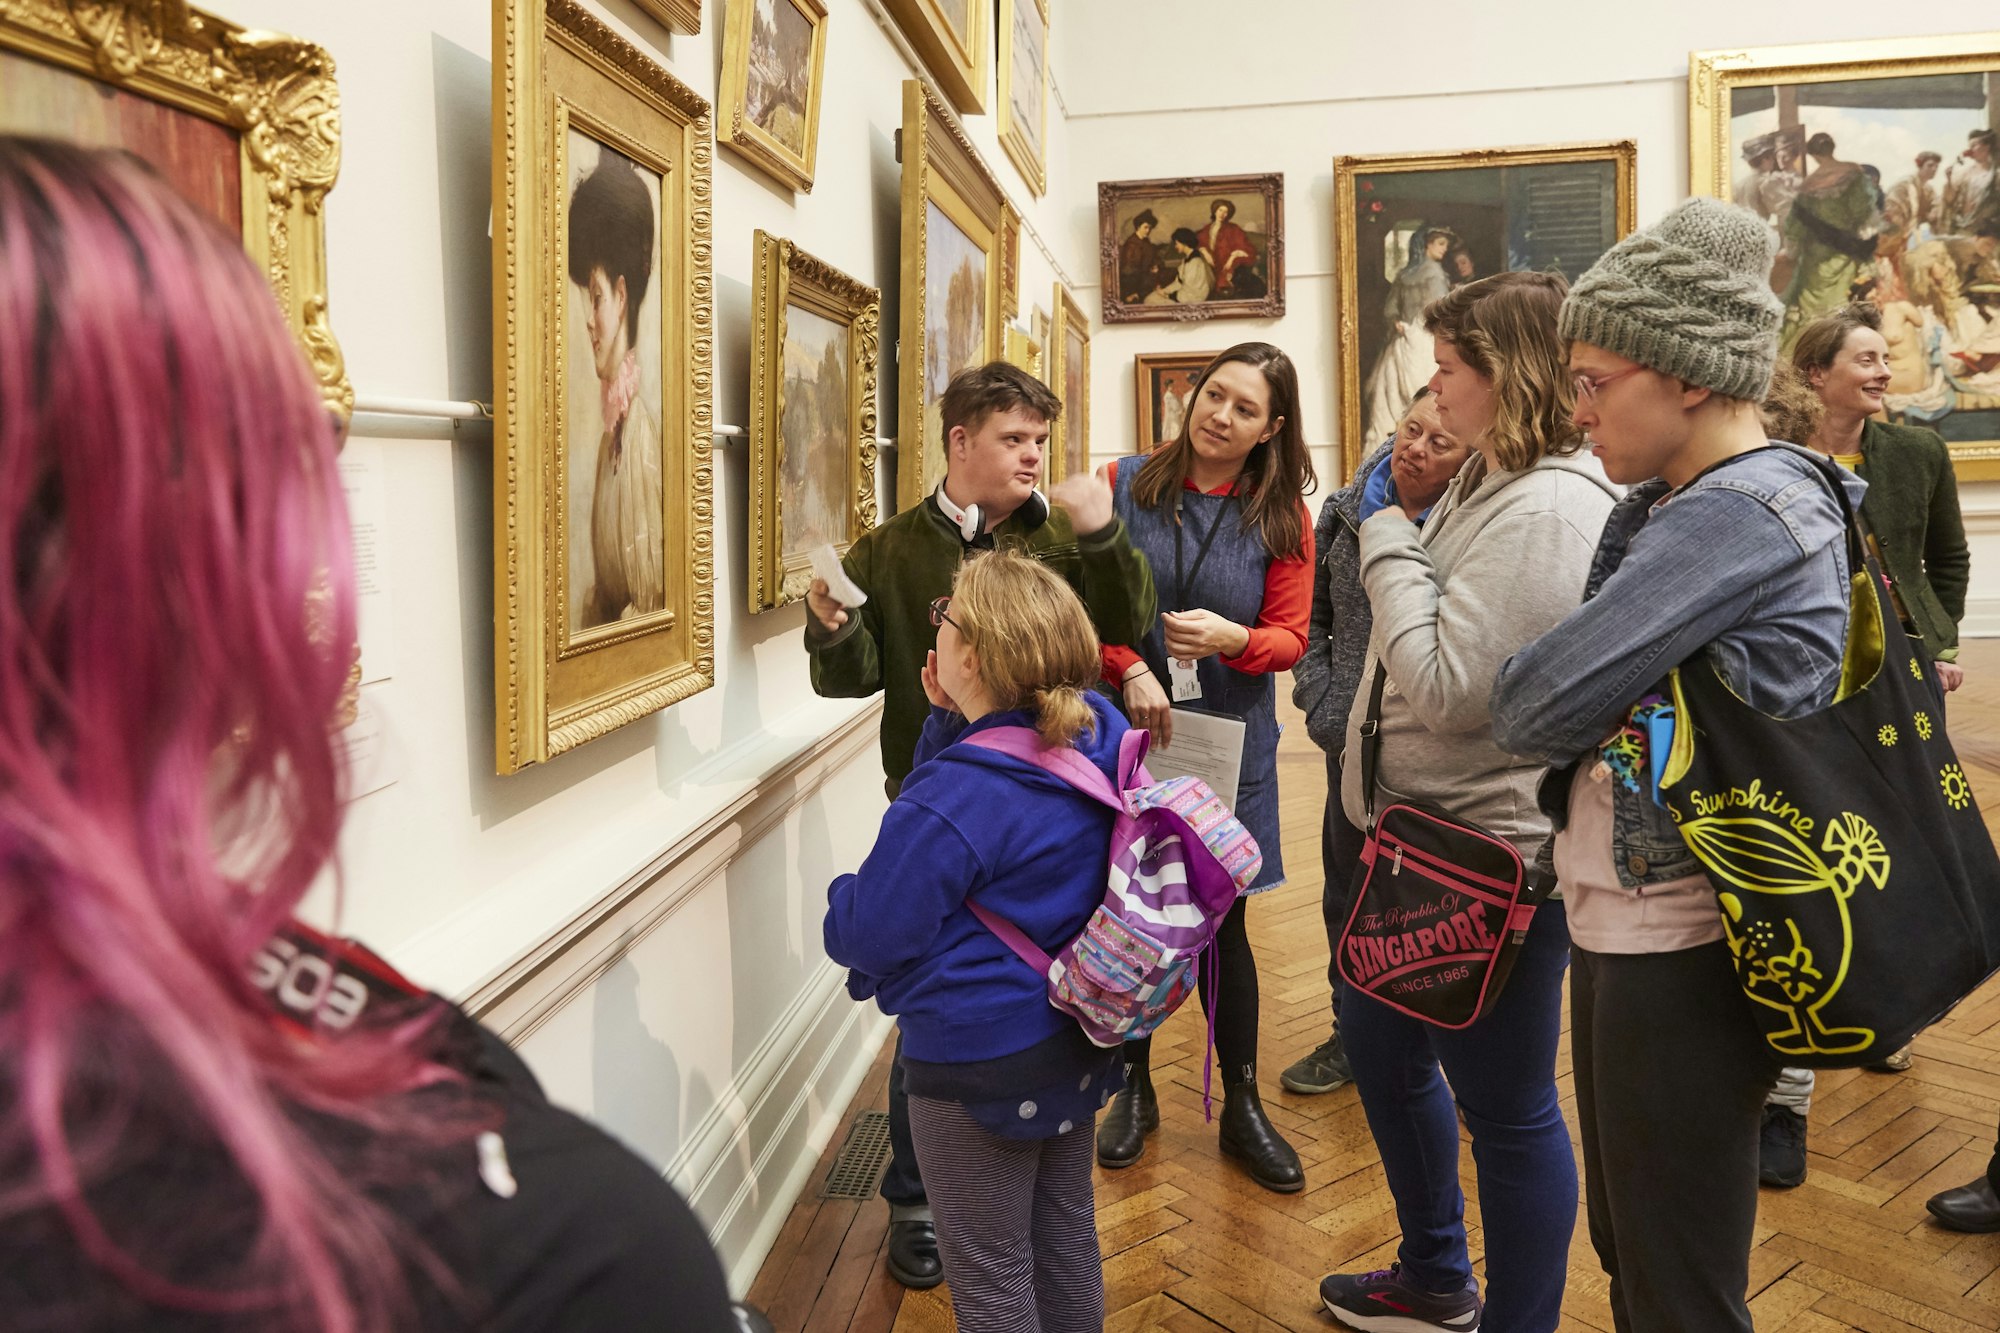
[[1503, 1070]]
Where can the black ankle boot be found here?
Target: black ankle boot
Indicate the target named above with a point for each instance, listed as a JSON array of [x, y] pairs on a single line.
[[1248, 1135], [1133, 1114]]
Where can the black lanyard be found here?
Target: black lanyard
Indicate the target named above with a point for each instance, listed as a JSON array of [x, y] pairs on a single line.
[[1184, 579]]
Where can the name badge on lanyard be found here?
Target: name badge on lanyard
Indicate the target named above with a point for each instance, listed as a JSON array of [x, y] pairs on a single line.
[[1181, 676], [1183, 684]]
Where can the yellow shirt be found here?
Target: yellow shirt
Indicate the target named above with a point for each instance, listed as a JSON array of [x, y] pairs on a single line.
[[1852, 462]]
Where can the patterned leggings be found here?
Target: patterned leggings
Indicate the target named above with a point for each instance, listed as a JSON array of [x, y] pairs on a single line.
[[1016, 1223]]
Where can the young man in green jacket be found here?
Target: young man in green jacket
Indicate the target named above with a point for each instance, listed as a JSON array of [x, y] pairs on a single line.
[[996, 425]]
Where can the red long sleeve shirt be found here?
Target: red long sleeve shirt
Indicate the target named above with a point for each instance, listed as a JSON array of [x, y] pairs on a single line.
[[1278, 639]]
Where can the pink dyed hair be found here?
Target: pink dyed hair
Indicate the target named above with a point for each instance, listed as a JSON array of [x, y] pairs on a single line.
[[169, 783]]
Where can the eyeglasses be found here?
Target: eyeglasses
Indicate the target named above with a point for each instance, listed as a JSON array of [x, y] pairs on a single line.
[[941, 614], [1587, 386]]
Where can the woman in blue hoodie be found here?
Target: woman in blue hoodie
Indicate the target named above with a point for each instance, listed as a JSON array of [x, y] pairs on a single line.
[[1004, 1089]]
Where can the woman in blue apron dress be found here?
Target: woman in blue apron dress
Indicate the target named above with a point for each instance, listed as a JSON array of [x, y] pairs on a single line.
[[1220, 516]]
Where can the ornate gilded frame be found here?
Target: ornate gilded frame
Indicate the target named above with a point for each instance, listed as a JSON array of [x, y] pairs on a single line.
[[1266, 186], [277, 93], [740, 135], [958, 61], [940, 166], [1145, 411], [559, 65], [1029, 155], [1622, 153], [1074, 424], [1713, 75], [787, 275], [675, 15]]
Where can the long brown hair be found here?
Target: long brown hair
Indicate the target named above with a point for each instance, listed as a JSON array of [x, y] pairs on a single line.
[[1504, 327], [1276, 474]]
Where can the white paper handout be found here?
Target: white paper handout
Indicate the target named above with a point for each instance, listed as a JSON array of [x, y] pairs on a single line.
[[826, 564], [1208, 746]]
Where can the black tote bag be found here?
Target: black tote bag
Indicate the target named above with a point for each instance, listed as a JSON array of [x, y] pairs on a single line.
[[1859, 888]]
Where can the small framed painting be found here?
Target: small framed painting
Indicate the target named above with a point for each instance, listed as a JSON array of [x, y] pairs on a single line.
[[812, 417], [1163, 383], [1069, 343], [774, 57]]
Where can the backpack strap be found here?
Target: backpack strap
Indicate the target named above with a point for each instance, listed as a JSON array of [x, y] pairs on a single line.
[[1060, 761], [1132, 750], [1013, 937]]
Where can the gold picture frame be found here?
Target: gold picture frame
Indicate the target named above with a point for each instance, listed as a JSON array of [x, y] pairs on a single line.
[[604, 605], [1916, 255], [767, 120], [793, 370], [960, 275], [1069, 353], [1024, 89], [951, 38], [260, 106], [1390, 210], [676, 15]]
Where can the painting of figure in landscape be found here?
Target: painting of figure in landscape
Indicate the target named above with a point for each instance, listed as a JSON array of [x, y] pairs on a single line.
[[775, 95], [954, 318], [815, 493]]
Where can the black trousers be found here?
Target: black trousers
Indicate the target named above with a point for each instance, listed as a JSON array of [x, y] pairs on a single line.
[[1671, 1075], [902, 1180], [1340, 847]]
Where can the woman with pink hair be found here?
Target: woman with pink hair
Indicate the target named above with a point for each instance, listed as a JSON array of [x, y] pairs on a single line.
[[210, 1116]]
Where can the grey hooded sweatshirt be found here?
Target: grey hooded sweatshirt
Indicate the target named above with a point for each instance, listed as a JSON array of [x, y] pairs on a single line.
[[1501, 560]]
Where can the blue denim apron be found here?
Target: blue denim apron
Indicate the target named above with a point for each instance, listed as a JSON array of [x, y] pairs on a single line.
[[1230, 582]]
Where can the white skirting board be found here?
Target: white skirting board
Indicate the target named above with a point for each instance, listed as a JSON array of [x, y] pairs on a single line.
[[1982, 618]]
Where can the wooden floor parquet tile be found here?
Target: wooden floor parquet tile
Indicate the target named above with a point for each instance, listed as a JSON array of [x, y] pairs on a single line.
[[1191, 1245]]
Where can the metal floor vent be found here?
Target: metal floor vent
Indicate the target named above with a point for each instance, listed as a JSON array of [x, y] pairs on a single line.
[[859, 1163]]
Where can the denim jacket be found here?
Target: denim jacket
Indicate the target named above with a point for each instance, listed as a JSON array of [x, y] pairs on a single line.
[[1747, 562]]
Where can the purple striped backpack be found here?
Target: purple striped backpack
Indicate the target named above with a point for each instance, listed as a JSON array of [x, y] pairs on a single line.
[[1178, 860]]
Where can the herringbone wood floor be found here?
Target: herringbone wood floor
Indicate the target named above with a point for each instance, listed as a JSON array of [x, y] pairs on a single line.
[[1190, 1243]]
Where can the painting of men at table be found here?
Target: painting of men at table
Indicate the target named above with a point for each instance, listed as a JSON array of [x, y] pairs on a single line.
[[1893, 199]]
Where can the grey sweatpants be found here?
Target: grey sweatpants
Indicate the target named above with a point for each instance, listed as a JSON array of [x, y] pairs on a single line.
[[1795, 1088], [1016, 1223]]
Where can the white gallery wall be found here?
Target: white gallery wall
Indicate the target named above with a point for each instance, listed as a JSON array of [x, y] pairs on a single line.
[[1169, 89], [642, 915]]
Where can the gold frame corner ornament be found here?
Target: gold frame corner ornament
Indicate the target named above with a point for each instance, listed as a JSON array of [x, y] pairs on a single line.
[[786, 274], [958, 61], [558, 64], [1622, 153], [734, 129], [942, 168], [278, 94], [1030, 158], [1069, 315]]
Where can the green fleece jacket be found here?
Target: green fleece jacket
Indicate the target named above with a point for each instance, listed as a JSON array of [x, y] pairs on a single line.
[[1912, 505], [909, 562]]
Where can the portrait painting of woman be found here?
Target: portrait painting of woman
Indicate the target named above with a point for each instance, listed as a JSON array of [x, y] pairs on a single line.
[[616, 509]]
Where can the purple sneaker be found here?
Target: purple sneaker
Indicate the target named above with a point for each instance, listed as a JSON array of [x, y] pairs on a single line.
[[1388, 1302]]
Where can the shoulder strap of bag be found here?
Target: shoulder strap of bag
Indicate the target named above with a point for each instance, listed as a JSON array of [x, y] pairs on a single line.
[[1133, 748], [1060, 761], [1371, 741], [1011, 935]]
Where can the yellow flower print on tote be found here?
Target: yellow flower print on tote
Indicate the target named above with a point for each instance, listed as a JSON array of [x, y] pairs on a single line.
[[1779, 885], [1923, 721], [1957, 791], [1887, 735], [1916, 671]]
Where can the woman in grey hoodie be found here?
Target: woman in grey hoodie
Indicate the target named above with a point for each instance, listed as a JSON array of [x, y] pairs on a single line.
[[1501, 559]]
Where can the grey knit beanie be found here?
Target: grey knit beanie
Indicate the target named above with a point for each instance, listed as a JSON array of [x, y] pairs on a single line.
[[1689, 296]]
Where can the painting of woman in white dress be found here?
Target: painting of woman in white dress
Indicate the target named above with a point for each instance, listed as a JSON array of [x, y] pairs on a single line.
[[616, 508], [1407, 363]]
